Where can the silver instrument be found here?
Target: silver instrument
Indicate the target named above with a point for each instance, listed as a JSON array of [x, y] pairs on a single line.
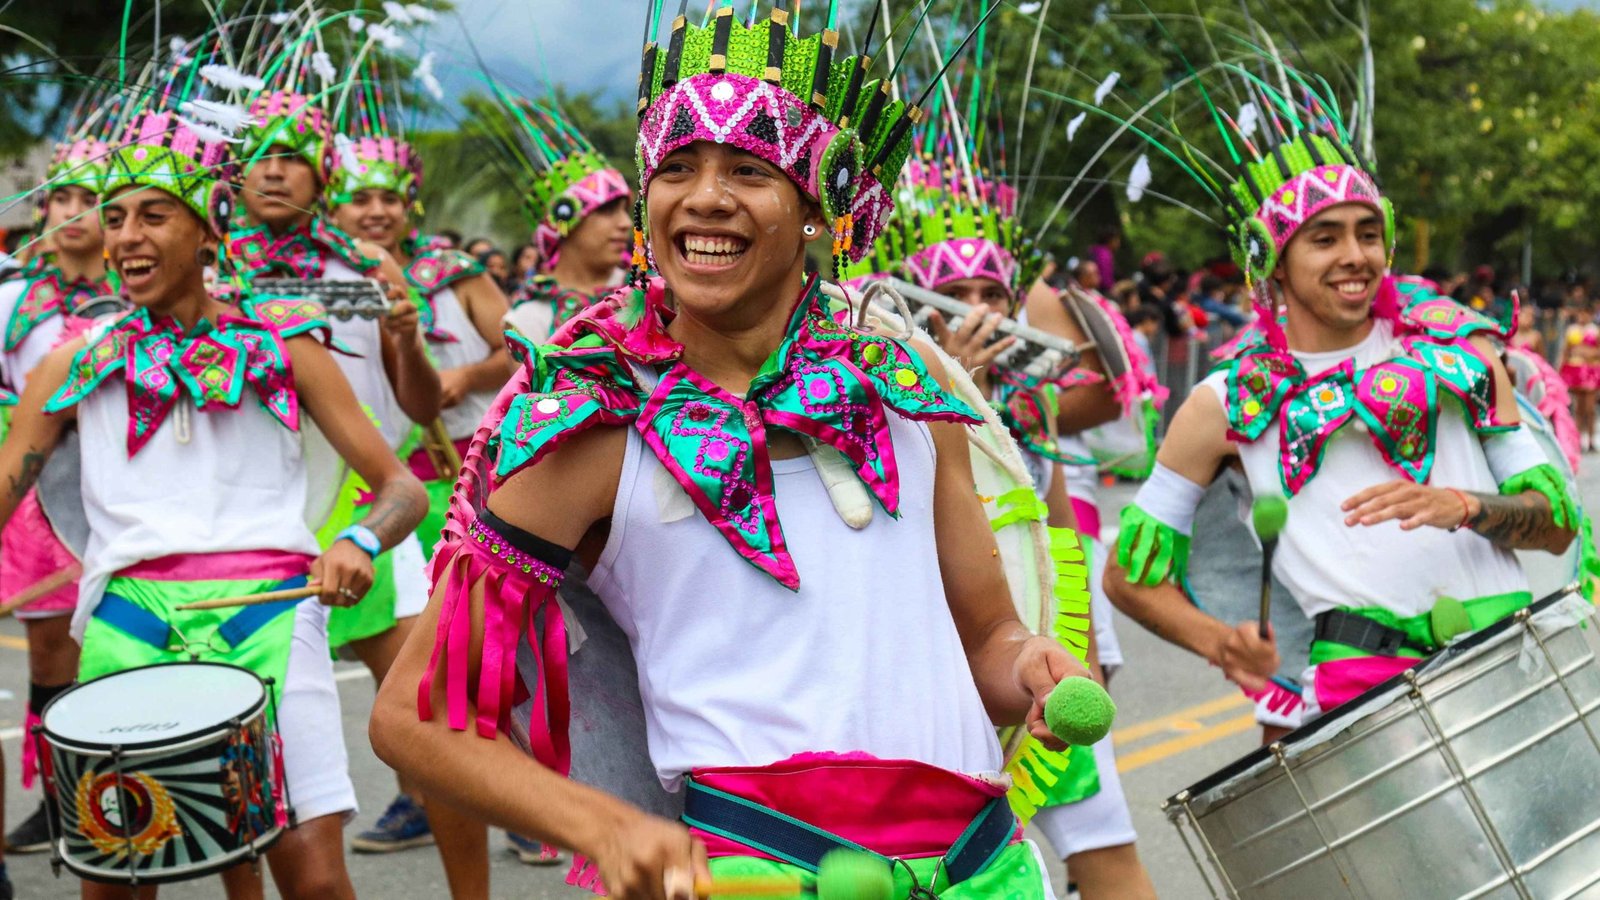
[[1470, 775], [1097, 326], [1036, 354], [363, 298]]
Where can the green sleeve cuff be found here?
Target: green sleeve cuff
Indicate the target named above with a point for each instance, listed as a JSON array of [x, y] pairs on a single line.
[[1150, 550], [1545, 480]]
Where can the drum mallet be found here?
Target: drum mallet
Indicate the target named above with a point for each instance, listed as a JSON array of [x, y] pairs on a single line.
[[1268, 514], [1079, 712], [842, 875], [299, 593]]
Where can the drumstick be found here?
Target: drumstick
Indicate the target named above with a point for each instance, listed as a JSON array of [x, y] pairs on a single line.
[[1079, 712], [1268, 514], [54, 581], [299, 593]]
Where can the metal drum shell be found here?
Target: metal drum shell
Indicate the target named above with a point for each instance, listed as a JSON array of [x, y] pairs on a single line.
[[208, 829], [1462, 778]]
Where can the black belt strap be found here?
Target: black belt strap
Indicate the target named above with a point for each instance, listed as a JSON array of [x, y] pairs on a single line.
[[1358, 631]]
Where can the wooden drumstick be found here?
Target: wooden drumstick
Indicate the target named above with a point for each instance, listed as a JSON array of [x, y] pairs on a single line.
[[52, 582], [1268, 514], [299, 593], [775, 886]]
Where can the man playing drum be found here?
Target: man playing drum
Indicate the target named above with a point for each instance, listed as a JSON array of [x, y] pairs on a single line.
[[188, 411], [825, 685], [1384, 415]]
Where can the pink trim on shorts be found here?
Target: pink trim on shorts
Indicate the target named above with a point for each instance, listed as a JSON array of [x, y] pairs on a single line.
[[1088, 516], [1581, 376], [243, 565], [1338, 681], [29, 553], [898, 808]]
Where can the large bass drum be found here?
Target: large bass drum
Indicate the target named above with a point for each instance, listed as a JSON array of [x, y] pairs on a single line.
[[1470, 775]]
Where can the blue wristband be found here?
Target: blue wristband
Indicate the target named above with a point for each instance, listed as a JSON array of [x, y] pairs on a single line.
[[362, 537]]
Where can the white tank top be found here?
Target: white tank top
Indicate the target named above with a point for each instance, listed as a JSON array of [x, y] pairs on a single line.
[[1326, 564], [468, 348], [33, 348], [221, 491], [737, 670], [365, 372]]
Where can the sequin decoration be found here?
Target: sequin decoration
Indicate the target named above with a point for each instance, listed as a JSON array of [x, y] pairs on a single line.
[[297, 253]]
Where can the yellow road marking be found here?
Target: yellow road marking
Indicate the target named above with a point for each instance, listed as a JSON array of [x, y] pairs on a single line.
[[1157, 752], [1183, 719], [15, 643]]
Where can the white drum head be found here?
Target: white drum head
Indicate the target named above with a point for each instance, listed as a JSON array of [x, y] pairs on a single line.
[[160, 704]]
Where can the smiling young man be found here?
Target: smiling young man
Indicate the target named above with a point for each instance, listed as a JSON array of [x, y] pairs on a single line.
[[462, 308], [1383, 413], [185, 477], [665, 427]]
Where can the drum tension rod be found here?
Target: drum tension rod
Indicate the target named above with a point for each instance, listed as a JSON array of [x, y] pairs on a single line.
[[1183, 799], [1283, 762]]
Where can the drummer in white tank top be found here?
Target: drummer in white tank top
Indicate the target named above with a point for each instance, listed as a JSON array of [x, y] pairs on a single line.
[[898, 642], [1358, 535]]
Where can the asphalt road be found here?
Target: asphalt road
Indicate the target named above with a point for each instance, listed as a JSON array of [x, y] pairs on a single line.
[[1178, 722]]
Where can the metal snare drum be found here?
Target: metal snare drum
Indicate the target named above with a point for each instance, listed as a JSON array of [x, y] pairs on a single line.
[[1471, 775], [162, 773]]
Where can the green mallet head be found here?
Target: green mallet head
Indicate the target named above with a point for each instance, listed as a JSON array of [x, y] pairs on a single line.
[[853, 875], [1079, 712], [1269, 514]]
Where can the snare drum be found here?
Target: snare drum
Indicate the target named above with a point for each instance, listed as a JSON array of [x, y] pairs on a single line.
[[1471, 775], [162, 773]]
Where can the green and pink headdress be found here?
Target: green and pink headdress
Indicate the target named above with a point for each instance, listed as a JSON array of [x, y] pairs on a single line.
[[791, 100], [964, 225], [370, 148], [563, 178]]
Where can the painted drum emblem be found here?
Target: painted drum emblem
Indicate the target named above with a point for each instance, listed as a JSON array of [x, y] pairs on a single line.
[[133, 812]]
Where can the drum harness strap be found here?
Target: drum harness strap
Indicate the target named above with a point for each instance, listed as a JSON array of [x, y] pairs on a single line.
[[137, 622], [1421, 634], [802, 844], [1355, 630]]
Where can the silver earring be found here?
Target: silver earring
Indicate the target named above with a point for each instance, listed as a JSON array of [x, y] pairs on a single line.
[[810, 230]]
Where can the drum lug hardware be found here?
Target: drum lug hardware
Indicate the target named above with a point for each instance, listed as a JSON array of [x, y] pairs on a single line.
[[1305, 804]]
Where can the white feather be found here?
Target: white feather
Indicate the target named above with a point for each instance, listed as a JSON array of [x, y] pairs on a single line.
[[1104, 90], [386, 36], [1139, 179], [347, 153], [1075, 124], [280, 18], [421, 13], [424, 74], [177, 45], [228, 117], [229, 78], [323, 66], [1249, 118], [356, 23], [206, 133], [1029, 9], [398, 13]]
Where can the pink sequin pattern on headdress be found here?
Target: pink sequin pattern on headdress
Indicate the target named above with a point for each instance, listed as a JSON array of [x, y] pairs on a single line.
[[996, 195], [592, 192], [83, 152], [164, 129], [388, 151], [959, 259], [1309, 193], [304, 115]]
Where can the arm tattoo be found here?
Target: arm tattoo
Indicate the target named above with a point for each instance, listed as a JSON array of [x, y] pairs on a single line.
[[23, 481], [395, 512], [1519, 522]]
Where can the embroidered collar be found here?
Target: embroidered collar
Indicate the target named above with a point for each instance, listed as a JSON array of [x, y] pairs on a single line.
[[298, 253], [430, 271], [826, 381], [1397, 399], [212, 364], [565, 302], [47, 292]]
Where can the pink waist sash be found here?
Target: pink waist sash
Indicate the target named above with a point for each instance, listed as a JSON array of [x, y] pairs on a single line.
[[898, 808], [247, 565]]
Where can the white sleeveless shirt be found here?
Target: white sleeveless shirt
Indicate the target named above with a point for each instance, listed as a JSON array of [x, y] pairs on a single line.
[[737, 670], [365, 373], [468, 348], [1325, 563], [221, 490], [35, 346]]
